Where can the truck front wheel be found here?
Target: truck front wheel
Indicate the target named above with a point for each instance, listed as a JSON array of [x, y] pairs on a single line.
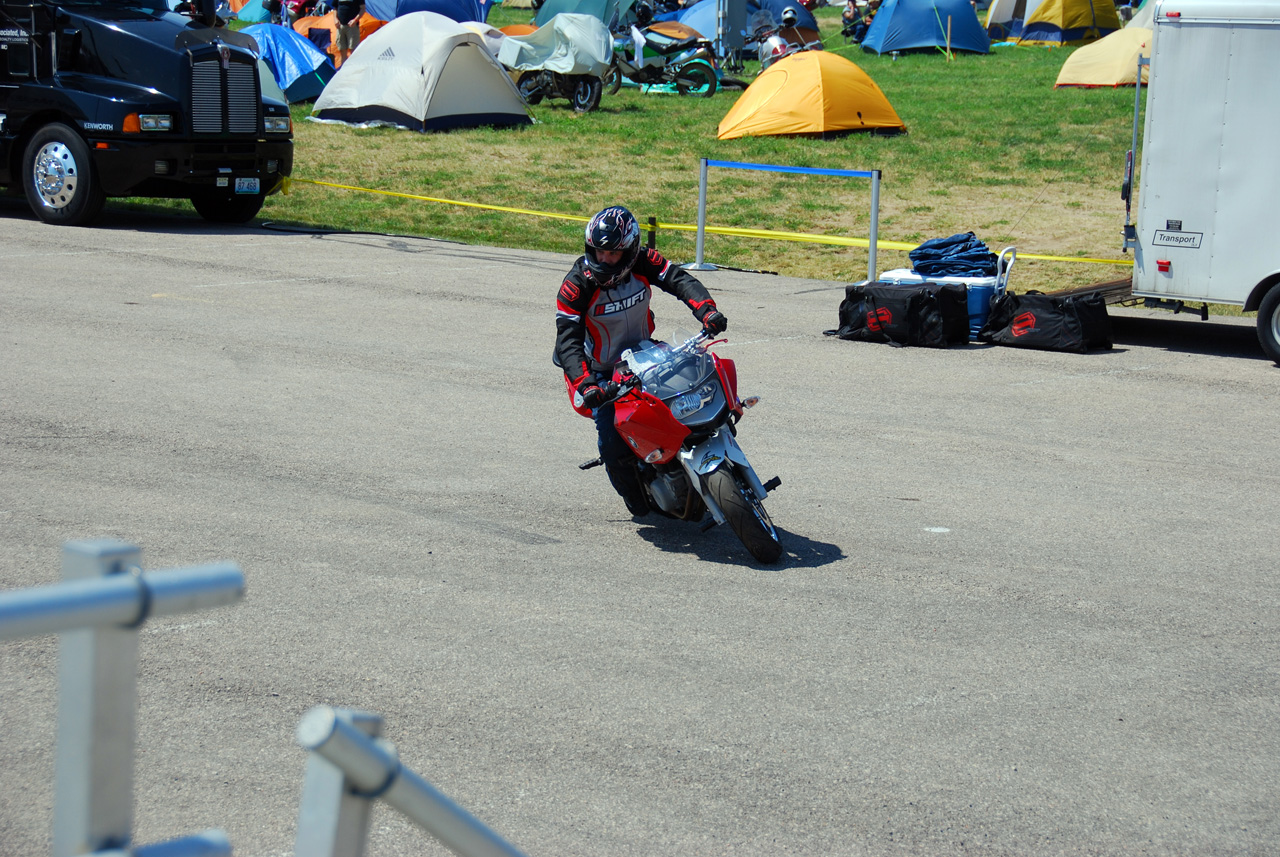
[[1269, 323], [59, 178], [227, 208]]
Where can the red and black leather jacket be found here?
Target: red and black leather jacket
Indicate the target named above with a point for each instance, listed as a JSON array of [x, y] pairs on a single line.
[[594, 325]]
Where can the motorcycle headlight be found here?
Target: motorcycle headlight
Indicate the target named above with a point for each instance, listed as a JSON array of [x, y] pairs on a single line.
[[682, 406]]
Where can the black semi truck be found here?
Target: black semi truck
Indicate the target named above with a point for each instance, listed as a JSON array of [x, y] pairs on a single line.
[[121, 98]]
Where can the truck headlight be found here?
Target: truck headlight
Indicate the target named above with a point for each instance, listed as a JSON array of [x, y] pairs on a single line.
[[138, 122], [278, 124]]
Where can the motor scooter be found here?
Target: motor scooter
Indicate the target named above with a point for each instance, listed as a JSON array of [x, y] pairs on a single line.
[[582, 90], [677, 407]]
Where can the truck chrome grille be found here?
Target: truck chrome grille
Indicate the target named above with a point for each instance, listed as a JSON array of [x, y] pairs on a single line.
[[224, 102]]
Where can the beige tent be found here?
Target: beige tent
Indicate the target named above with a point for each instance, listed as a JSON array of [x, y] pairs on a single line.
[[1110, 61]]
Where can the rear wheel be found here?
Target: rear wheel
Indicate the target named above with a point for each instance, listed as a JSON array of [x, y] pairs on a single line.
[[613, 80], [59, 179], [227, 208], [530, 90], [744, 513], [586, 93], [1269, 323], [696, 79]]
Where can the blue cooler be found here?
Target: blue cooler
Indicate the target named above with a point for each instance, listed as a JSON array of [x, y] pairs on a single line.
[[981, 291]]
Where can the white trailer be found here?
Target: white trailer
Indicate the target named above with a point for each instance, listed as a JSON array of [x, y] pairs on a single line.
[[1208, 224]]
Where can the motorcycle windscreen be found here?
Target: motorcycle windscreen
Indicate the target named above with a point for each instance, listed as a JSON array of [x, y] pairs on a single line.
[[647, 426]]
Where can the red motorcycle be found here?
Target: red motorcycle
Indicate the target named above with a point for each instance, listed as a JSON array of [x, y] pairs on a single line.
[[677, 407]]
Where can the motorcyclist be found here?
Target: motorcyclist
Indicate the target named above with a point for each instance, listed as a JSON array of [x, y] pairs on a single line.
[[602, 309]]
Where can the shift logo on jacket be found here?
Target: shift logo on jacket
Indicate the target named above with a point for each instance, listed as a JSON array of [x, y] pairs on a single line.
[[879, 318], [610, 307], [1023, 324]]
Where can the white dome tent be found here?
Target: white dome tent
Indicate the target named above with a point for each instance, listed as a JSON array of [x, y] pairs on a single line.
[[424, 72]]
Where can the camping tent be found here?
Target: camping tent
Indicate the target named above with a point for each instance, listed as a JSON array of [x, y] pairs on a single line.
[[1005, 17], [1145, 16], [702, 17], [1070, 22], [458, 10], [425, 72], [904, 25], [322, 31], [608, 11], [811, 92], [299, 67], [254, 11], [1110, 61]]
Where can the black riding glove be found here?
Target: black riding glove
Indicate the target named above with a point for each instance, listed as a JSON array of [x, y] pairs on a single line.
[[714, 322], [592, 394]]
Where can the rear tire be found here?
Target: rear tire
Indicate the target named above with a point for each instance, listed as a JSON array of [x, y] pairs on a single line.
[[226, 207], [530, 90], [59, 179], [1269, 323], [613, 80], [586, 94], [696, 79], [744, 513]]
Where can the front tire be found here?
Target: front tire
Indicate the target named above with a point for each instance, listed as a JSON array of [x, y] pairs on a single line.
[[744, 513], [59, 179], [227, 208], [586, 94], [1269, 323]]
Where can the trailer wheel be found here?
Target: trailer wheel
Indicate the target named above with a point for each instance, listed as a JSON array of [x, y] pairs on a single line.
[[58, 177], [227, 208], [1269, 323]]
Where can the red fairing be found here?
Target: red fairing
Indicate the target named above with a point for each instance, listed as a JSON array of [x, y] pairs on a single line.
[[647, 424], [728, 373], [573, 391]]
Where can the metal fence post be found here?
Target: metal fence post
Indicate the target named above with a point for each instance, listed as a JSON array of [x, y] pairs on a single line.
[[97, 703], [699, 264], [332, 820], [875, 225]]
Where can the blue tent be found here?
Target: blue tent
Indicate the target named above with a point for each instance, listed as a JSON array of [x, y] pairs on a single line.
[[254, 12], [702, 15], [904, 25], [457, 10], [299, 67], [608, 11]]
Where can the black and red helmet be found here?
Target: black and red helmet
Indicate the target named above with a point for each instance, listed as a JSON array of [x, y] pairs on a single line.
[[615, 228]]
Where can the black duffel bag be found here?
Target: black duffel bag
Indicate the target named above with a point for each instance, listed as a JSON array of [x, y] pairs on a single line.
[[934, 315], [1076, 323]]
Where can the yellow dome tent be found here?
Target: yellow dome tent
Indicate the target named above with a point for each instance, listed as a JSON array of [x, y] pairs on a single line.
[[1110, 61], [810, 92], [1070, 22]]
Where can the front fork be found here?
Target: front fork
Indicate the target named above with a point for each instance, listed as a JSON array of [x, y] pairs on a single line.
[[706, 456]]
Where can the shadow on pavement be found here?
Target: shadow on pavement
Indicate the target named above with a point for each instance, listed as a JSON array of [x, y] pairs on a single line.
[[1189, 335], [720, 544]]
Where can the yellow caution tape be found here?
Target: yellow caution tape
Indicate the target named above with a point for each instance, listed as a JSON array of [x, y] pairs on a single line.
[[767, 234]]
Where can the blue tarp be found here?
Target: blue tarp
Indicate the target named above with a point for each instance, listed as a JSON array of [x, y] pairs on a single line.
[[457, 10], [298, 66], [960, 255], [904, 25]]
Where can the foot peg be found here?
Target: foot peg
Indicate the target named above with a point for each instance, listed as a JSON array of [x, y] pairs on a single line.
[[587, 465], [771, 484]]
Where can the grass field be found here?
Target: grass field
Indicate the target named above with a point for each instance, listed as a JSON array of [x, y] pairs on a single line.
[[991, 147]]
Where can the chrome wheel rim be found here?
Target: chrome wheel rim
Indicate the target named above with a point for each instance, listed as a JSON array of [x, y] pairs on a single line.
[[55, 175]]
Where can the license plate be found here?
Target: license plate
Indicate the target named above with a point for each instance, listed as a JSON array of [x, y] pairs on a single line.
[[247, 186]]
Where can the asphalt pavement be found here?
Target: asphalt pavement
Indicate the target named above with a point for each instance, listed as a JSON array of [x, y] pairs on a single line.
[[1028, 604]]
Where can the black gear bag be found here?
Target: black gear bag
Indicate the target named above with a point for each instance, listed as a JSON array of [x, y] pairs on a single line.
[[1077, 323], [935, 315]]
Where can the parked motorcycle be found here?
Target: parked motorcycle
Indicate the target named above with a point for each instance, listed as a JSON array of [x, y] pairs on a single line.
[[689, 64], [677, 406], [582, 90]]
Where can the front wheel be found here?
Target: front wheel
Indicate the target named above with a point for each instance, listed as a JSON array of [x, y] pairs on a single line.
[[744, 513], [59, 179], [1269, 323], [226, 207], [696, 79], [586, 93]]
